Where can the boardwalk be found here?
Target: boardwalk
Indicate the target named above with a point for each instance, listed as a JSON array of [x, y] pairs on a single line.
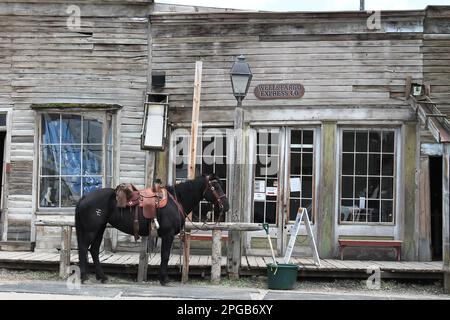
[[122, 262]]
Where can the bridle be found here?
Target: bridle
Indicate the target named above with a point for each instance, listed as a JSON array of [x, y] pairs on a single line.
[[217, 198]]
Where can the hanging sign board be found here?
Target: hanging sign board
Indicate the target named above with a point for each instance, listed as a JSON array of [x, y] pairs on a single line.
[[279, 91]]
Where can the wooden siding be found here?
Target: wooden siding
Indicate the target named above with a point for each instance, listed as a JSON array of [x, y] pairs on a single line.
[[338, 60], [42, 61], [436, 55]]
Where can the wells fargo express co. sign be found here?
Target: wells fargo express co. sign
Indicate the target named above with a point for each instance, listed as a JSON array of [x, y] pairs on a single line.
[[280, 91]]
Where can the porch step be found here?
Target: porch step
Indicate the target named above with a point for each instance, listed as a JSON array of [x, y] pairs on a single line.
[[16, 246]]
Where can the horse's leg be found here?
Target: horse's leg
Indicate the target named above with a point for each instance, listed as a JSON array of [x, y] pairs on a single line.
[[95, 251], [83, 262], [166, 245], [83, 246]]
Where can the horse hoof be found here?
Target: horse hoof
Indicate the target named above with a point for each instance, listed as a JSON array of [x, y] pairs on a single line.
[[164, 283], [103, 279]]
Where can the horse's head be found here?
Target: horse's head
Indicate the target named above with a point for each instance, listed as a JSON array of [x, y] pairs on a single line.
[[214, 193], [123, 193]]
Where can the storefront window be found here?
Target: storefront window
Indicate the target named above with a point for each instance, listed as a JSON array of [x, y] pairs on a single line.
[[71, 153], [367, 176], [211, 158]]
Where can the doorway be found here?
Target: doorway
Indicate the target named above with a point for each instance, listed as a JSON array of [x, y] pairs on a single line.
[[436, 207], [283, 179], [2, 166]]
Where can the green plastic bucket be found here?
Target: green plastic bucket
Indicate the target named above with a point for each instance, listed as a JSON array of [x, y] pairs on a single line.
[[281, 276]]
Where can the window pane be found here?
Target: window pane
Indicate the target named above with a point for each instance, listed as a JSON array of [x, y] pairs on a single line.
[[295, 162], [375, 141], [271, 212], [347, 187], [91, 183], [308, 136], [294, 204], [374, 164], [306, 187], [307, 166], [71, 129], [296, 137], [51, 129], [307, 203], [348, 163], [208, 165], [70, 160], [386, 188], [360, 187], [388, 141], [387, 214], [388, 165], [348, 144], [92, 131], [258, 212], [347, 210], [361, 141], [221, 168], [373, 211], [70, 191], [50, 160], [49, 193], [361, 164], [374, 188], [92, 160], [2, 119]]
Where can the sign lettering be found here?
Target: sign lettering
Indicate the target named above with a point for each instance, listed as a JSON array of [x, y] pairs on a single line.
[[279, 91]]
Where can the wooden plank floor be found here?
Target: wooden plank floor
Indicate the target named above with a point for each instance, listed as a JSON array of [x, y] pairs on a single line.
[[249, 264]]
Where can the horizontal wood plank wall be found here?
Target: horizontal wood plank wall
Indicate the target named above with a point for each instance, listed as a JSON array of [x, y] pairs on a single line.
[[43, 61], [436, 54], [338, 60]]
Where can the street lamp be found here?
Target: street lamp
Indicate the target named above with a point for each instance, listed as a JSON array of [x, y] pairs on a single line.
[[241, 76]]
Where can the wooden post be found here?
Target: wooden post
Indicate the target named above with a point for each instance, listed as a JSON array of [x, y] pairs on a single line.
[[192, 161], [64, 255], [143, 260], [216, 256], [424, 212], [446, 217], [234, 239]]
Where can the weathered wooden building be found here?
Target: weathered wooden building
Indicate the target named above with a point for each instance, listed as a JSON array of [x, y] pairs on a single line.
[[352, 147]]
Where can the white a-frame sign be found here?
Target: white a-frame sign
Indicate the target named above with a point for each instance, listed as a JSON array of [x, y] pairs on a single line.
[[302, 214]]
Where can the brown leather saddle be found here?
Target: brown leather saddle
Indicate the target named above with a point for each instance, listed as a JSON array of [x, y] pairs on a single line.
[[150, 200]]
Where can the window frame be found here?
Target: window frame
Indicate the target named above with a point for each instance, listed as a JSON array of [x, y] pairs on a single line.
[[172, 179], [396, 173], [109, 124]]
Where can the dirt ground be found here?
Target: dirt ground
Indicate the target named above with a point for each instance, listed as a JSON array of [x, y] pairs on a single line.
[[388, 287]]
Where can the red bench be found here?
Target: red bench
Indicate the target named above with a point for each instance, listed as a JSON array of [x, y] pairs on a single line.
[[395, 244]]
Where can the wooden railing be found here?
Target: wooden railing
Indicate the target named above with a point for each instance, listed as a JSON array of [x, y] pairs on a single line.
[[216, 228]]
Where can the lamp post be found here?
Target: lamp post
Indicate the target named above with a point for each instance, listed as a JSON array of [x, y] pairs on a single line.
[[241, 76]]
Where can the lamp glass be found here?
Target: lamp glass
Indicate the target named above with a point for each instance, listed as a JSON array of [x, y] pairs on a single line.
[[240, 84]]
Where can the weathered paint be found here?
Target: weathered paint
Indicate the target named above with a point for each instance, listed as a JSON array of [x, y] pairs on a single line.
[[410, 221], [446, 217], [327, 191]]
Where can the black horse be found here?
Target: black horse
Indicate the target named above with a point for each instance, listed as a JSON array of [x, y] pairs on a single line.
[[98, 208]]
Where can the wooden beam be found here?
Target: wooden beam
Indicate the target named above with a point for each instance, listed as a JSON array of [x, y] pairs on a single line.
[[228, 226], [216, 256], [425, 210], [192, 160], [446, 217], [64, 261]]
